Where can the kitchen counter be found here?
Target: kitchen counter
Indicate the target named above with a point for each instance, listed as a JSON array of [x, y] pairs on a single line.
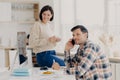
[[37, 74], [114, 60]]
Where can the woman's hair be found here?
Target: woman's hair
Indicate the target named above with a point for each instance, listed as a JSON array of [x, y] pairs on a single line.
[[46, 8]]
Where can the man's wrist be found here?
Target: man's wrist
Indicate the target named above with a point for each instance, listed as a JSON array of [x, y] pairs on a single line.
[[66, 51]]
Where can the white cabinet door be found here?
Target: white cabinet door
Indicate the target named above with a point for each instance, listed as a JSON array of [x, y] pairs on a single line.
[[117, 71], [13, 58], [2, 58], [15, 62], [113, 67], [5, 11], [29, 56]]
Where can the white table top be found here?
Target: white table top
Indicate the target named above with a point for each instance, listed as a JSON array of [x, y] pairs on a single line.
[[37, 74]]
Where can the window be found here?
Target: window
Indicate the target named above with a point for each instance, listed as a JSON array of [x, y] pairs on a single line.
[[96, 15]]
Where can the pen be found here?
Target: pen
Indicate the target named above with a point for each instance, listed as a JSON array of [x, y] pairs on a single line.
[[53, 61]]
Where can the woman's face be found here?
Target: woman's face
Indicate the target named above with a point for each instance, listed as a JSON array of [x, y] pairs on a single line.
[[46, 16]]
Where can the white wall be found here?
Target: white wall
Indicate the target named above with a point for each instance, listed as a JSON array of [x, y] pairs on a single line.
[[45, 2]]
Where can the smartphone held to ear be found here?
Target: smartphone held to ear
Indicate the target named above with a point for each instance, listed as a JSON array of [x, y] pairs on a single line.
[[73, 41]]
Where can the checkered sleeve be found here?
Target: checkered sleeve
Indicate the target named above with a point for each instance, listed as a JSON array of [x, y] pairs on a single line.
[[69, 63], [89, 56]]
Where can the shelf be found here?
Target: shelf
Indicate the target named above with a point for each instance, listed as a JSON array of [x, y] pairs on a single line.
[[21, 1], [21, 11], [19, 22]]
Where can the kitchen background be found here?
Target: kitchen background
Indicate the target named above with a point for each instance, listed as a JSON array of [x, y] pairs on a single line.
[[101, 17]]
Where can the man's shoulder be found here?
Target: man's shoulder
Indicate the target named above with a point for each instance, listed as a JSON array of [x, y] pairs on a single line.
[[93, 46], [90, 43]]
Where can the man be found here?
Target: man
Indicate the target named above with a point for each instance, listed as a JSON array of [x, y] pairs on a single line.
[[90, 62]]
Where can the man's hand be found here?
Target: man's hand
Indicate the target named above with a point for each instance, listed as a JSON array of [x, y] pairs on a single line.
[[69, 45], [55, 66]]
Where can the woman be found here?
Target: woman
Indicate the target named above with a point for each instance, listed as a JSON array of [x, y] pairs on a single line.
[[43, 40]]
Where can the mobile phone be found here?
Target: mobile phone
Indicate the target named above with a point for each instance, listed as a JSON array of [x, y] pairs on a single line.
[[44, 68], [73, 41]]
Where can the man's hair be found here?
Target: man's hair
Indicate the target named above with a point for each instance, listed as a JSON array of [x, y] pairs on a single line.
[[81, 27], [46, 8]]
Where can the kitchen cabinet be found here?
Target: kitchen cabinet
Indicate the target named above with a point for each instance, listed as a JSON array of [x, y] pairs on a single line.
[[14, 58], [20, 11], [2, 57], [115, 69], [118, 71], [5, 12]]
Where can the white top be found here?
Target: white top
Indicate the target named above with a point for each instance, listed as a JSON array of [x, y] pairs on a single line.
[[39, 35]]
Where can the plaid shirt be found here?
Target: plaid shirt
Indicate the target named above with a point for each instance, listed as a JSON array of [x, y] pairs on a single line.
[[92, 64]]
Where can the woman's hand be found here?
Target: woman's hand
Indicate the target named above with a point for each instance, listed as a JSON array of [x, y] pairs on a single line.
[[54, 39], [58, 39]]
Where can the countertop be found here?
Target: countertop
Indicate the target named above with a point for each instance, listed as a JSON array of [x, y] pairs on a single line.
[[114, 59], [37, 74]]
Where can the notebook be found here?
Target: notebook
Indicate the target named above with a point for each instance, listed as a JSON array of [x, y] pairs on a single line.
[[21, 72]]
